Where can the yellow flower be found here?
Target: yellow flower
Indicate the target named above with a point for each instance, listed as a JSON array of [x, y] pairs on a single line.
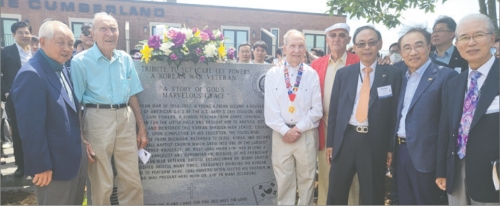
[[222, 50], [197, 34], [146, 52], [165, 37]]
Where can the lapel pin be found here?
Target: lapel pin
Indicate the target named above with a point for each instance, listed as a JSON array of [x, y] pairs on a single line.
[[383, 75], [430, 79]]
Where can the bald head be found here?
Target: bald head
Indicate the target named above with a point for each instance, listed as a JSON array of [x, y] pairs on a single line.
[[56, 41]]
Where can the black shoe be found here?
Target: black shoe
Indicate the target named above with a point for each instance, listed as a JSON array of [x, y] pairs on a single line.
[[19, 172], [4, 156]]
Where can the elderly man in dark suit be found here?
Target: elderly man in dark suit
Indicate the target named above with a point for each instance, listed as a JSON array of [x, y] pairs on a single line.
[[361, 120], [47, 117], [417, 122], [13, 57], [469, 134]]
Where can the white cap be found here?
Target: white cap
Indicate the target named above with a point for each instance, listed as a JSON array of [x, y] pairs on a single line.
[[343, 26]]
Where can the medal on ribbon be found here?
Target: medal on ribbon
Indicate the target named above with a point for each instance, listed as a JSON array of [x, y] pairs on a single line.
[[292, 91]]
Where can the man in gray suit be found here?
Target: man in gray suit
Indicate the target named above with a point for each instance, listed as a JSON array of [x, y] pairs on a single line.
[[417, 123]]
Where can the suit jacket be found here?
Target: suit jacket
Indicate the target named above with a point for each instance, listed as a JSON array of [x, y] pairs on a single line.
[[483, 140], [48, 121], [455, 61], [321, 65], [422, 119], [11, 63], [381, 111]]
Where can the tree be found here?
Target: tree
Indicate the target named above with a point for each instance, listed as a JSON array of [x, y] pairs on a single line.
[[388, 12]]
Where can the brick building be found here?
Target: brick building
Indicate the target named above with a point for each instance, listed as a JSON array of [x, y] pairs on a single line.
[[137, 20]]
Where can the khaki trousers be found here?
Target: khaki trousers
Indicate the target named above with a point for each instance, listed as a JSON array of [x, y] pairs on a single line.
[[113, 132], [324, 177], [295, 166]]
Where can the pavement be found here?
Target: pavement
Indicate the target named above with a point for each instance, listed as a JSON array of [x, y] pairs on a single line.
[[9, 182]]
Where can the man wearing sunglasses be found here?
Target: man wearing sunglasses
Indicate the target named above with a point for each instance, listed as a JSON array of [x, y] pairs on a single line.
[[86, 36], [337, 38]]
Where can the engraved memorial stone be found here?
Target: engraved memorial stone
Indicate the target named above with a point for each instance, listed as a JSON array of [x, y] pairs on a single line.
[[208, 139]]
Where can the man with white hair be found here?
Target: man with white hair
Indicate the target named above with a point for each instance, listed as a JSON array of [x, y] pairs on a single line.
[[112, 112], [337, 38], [293, 111], [47, 117], [469, 135]]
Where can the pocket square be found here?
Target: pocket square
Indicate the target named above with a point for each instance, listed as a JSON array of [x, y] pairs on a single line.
[[494, 106]]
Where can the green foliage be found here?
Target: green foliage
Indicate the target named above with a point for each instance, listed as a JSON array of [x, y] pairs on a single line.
[[387, 12]]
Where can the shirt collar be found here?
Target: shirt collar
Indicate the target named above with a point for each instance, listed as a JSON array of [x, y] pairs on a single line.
[[343, 58], [98, 54], [56, 66], [486, 67], [448, 52], [373, 66], [420, 70], [19, 48]]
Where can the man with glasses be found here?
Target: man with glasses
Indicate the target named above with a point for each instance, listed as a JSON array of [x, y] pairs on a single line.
[[13, 58], [361, 120], [244, 53], [415, 139], [337, 38], [443, 33], [469, 135]]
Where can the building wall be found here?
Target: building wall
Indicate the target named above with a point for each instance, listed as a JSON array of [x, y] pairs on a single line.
[[136, 13]]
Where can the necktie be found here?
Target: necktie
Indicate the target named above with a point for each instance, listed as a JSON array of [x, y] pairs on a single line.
[[364, 96], [66, 86], [468, 113]]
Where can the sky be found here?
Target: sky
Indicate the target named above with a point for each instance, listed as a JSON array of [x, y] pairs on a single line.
[[453, 8]]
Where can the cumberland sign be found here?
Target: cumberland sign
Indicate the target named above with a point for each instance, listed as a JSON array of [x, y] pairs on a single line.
[[70, 6]]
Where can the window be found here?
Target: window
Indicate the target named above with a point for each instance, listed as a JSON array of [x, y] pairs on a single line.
[[76, 25], [276, 33], [6, 22], [235, 36], [315, 39], [157, 28]]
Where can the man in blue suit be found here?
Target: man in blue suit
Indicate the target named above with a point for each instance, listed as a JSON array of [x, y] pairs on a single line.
[[48, 120], [417, 122]]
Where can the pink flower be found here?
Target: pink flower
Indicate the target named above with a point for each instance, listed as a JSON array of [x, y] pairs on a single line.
[[230, 53], [198, 51], [154, 42], [204, 36], [210, 33], [173, 57], [202, 59]]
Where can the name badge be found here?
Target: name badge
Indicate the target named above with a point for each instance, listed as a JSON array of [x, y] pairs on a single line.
[[384, 91]]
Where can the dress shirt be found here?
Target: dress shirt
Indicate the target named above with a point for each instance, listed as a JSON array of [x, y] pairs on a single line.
[[353, 120], [331, 70], [484, 70], [413, 80], [97, 80], [58, 70], [307, 102], [446, 56], [25, 56]]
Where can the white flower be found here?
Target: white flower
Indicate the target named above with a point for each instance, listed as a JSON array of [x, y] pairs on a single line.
[[188, 33], [165, 47], [216, 33], [210, 50]]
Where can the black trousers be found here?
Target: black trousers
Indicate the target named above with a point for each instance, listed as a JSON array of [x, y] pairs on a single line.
[[356, 155], [16, 139]]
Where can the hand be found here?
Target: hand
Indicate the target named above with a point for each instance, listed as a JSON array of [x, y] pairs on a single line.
[[292, 135], [389, 159], [7, 95], [441, 183], [142, 139], [43, 179], [329, 152], [384, 61], [90, 151]]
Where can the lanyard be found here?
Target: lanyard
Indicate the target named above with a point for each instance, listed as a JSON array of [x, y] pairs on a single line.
[[293, 90]]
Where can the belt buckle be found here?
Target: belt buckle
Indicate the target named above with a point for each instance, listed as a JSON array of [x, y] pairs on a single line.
[[399, 140], [361, 129]]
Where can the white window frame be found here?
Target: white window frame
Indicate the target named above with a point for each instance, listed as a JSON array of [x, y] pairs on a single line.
[[317, 32], [151, 24], [9, 16], [222, 28], [277, 37]]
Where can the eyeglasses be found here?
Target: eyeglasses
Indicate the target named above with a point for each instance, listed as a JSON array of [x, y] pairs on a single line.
[[440, 31], [363, 44], [418, 47], [86, 32], [340, 35], [475, 37]]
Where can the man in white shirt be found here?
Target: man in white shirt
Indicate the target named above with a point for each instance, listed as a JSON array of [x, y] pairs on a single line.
[[293, 109]]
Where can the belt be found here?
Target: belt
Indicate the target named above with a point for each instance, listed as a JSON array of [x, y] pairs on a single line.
[[107, 106], [359, 129], [290, 125], [401, 140]]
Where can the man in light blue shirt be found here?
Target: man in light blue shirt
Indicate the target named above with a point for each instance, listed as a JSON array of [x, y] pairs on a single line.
[[417, 123], [106, 82]]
